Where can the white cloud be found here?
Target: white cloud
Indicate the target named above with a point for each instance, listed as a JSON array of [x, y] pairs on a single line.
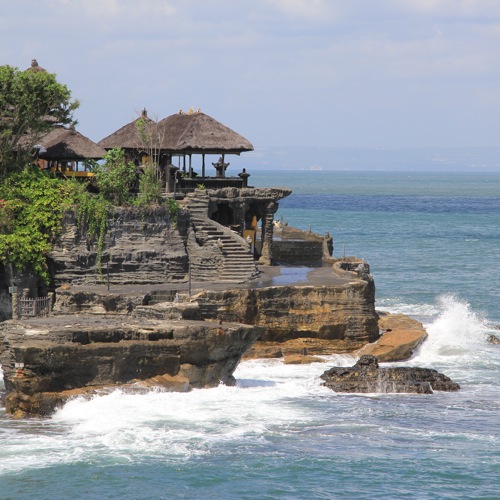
[[357, 60], [125, 12], [449, 8], [308, 9]]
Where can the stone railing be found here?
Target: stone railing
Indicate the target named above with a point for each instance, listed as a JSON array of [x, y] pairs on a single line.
[[188, 185]]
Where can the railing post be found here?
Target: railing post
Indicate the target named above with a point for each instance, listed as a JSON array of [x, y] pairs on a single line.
[[15, 306]]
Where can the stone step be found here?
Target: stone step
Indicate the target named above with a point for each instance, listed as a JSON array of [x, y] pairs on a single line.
[[238, 265]]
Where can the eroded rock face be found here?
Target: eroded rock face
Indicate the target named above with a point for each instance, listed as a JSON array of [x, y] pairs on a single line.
[[140, 247], [367, 377], [45, 359], [343, 312]]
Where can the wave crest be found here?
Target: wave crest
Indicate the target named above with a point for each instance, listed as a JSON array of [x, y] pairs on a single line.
[[457, 330]]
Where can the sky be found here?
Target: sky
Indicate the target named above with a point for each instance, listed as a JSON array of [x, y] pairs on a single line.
[[309, 73]]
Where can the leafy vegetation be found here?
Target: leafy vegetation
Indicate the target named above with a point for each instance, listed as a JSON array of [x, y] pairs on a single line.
[[92, 211], [150, 191], [32, 202], [173, 209], [115, 177], [31, 103], [31, 213]]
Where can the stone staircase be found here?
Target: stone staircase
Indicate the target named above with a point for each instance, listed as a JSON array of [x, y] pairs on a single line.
[[238, 264]]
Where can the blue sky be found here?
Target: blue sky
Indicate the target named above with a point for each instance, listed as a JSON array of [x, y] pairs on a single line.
[[315, 73]]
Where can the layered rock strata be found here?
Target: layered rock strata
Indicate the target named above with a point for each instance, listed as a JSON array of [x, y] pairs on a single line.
[[139, 247], [45, 361], [343, 313], [366, 376]]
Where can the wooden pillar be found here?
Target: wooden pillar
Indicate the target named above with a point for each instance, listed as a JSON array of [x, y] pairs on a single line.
[[203, 165]]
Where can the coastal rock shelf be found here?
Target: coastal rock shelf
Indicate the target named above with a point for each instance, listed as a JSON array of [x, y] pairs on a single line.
[[46, 360], [401, 335], [367, 377]]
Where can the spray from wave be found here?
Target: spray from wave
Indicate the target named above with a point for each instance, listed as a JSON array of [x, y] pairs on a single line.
[[456, 331]]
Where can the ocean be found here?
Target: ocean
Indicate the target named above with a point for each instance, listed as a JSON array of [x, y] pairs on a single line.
[[432, 241]]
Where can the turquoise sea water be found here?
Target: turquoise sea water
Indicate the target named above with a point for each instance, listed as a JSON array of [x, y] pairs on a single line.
[[432, 241]]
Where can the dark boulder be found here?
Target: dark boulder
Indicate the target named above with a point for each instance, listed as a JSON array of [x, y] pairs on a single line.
[[366, 377]]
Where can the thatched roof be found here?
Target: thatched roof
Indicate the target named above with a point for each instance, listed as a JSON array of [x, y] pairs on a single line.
[[199, 133], [35, 68], [128, 137], [65, 144]]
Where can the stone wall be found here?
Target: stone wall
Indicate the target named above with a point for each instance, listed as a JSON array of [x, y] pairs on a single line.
[[297, 252]]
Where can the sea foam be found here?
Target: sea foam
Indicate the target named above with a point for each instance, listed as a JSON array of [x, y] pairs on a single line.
[[456, 331]]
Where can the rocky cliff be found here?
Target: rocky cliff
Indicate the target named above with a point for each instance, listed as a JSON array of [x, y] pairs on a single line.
[[45, 360], [342, 317], [140, 246]]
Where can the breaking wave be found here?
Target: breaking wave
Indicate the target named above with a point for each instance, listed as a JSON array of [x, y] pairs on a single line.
[[456, 331]]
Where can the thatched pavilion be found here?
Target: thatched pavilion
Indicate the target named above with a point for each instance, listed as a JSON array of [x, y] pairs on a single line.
[[187, 134], [181, 136], [63, 148], [139, 139]]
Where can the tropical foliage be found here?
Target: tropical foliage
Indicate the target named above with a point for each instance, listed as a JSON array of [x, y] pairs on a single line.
[[115, 177], [31, 103], [31, 209]]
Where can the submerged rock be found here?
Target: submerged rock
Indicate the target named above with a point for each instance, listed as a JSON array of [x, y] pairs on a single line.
[[367, 377], [301, 359]]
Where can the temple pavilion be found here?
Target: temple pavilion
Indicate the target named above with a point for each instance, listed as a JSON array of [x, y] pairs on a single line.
[[179, 145], [65, 150]]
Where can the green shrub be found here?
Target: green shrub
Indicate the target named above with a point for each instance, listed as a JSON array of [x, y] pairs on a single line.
[[150, 191], [92, 212], [32, 203], [173, 209], [115, 177]]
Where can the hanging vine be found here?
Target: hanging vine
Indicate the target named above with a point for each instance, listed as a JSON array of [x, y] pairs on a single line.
[[92, 211]]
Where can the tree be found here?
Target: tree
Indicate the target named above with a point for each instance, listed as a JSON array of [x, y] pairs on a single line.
[[31, 103], [151, 137], [115, 177]]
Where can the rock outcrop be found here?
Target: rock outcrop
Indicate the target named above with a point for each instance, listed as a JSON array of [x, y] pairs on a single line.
[[343, 312], [140, 247], [47, 360], [367, 377], [401, 335]]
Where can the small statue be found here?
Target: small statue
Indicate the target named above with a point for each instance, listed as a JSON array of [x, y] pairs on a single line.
[[220, 167], [244, 175]]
